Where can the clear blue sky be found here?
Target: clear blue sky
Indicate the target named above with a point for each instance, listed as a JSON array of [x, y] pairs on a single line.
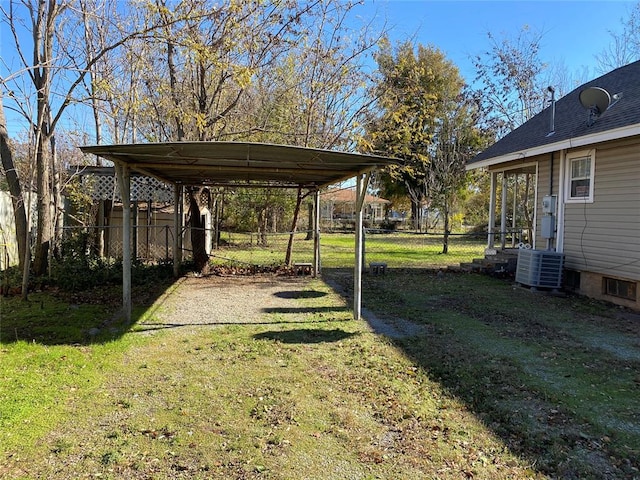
[[573, 31]]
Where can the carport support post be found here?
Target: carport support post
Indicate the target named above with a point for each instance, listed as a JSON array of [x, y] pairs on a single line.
[[316, 233], [124, 181], [362, 182], [177, 228]]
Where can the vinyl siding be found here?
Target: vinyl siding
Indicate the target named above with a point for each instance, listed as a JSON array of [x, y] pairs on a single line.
[[544, 171], [604, 236]]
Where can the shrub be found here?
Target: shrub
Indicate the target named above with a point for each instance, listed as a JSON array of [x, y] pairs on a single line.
[[388, 225], [76, 273]]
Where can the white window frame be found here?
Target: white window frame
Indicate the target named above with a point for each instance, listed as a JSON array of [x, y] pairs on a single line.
[[570, 158]]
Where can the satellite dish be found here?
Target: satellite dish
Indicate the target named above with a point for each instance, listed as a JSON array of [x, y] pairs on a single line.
[[595, 99]]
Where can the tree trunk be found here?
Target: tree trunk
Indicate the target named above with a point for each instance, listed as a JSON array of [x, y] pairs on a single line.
[[44, 234], [42, 57], [445, 238], [262, 227], [15, 189], [294, 223], [416, 214], [198, 237], [310, 232], [57, 206]]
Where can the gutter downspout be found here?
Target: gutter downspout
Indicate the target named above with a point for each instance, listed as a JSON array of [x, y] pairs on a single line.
[[552, 130], [549, 241], [560, 203]]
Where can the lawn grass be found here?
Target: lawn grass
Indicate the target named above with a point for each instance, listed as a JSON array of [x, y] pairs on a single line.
[[497, 382], [337, 249], [296, 397], [558, 377], [54, 348]]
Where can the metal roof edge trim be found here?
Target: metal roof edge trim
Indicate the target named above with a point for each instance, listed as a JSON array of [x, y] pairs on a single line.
[[103, 147]]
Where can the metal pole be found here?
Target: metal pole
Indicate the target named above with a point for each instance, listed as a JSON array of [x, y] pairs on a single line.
[[177, 226], [357, 271], [316, 233], [124, 180], [361, 187]]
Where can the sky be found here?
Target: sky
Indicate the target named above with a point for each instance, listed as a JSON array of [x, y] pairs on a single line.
[[573, 32]]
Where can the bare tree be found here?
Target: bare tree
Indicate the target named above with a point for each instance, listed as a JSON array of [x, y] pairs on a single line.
[[456, 138], [333, 85], [58, 64], [513, 87], [625, 45]]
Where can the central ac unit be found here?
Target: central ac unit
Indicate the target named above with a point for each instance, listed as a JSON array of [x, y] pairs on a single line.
[[540, 268]]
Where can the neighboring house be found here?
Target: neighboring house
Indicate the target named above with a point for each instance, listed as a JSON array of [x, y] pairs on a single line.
[[583, 156], [340, 205]]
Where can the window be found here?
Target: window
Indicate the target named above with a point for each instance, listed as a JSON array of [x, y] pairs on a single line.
[[619, 288], [571, 280], [581, 166]]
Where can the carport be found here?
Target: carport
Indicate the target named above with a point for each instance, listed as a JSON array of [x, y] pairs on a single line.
[[238, 164]]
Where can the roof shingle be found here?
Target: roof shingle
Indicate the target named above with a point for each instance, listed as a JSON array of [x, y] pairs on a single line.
[[572, 119]]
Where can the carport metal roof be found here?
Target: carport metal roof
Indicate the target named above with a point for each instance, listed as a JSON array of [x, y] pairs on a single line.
[[239, 164]]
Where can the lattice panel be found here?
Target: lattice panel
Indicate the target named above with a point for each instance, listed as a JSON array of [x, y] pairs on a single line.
[[104, 187]]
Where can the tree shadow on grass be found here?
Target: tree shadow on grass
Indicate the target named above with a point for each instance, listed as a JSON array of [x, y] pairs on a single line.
[[297, 294], [302, 310], [88, 317], [305, 335], [529, 374], [148, 327]]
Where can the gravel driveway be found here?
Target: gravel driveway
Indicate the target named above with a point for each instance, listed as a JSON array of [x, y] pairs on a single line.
[[222, 300], [237, 299]]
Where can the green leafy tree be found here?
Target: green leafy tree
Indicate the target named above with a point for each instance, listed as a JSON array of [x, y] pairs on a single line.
[[414, 91]]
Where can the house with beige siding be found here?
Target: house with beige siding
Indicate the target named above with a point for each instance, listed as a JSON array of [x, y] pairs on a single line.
[[339, 204], [579, 160]]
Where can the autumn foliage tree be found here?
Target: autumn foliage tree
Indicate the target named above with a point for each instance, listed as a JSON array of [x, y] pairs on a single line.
[[425, 118], [281, 72], [51, 63], [179, 70]]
